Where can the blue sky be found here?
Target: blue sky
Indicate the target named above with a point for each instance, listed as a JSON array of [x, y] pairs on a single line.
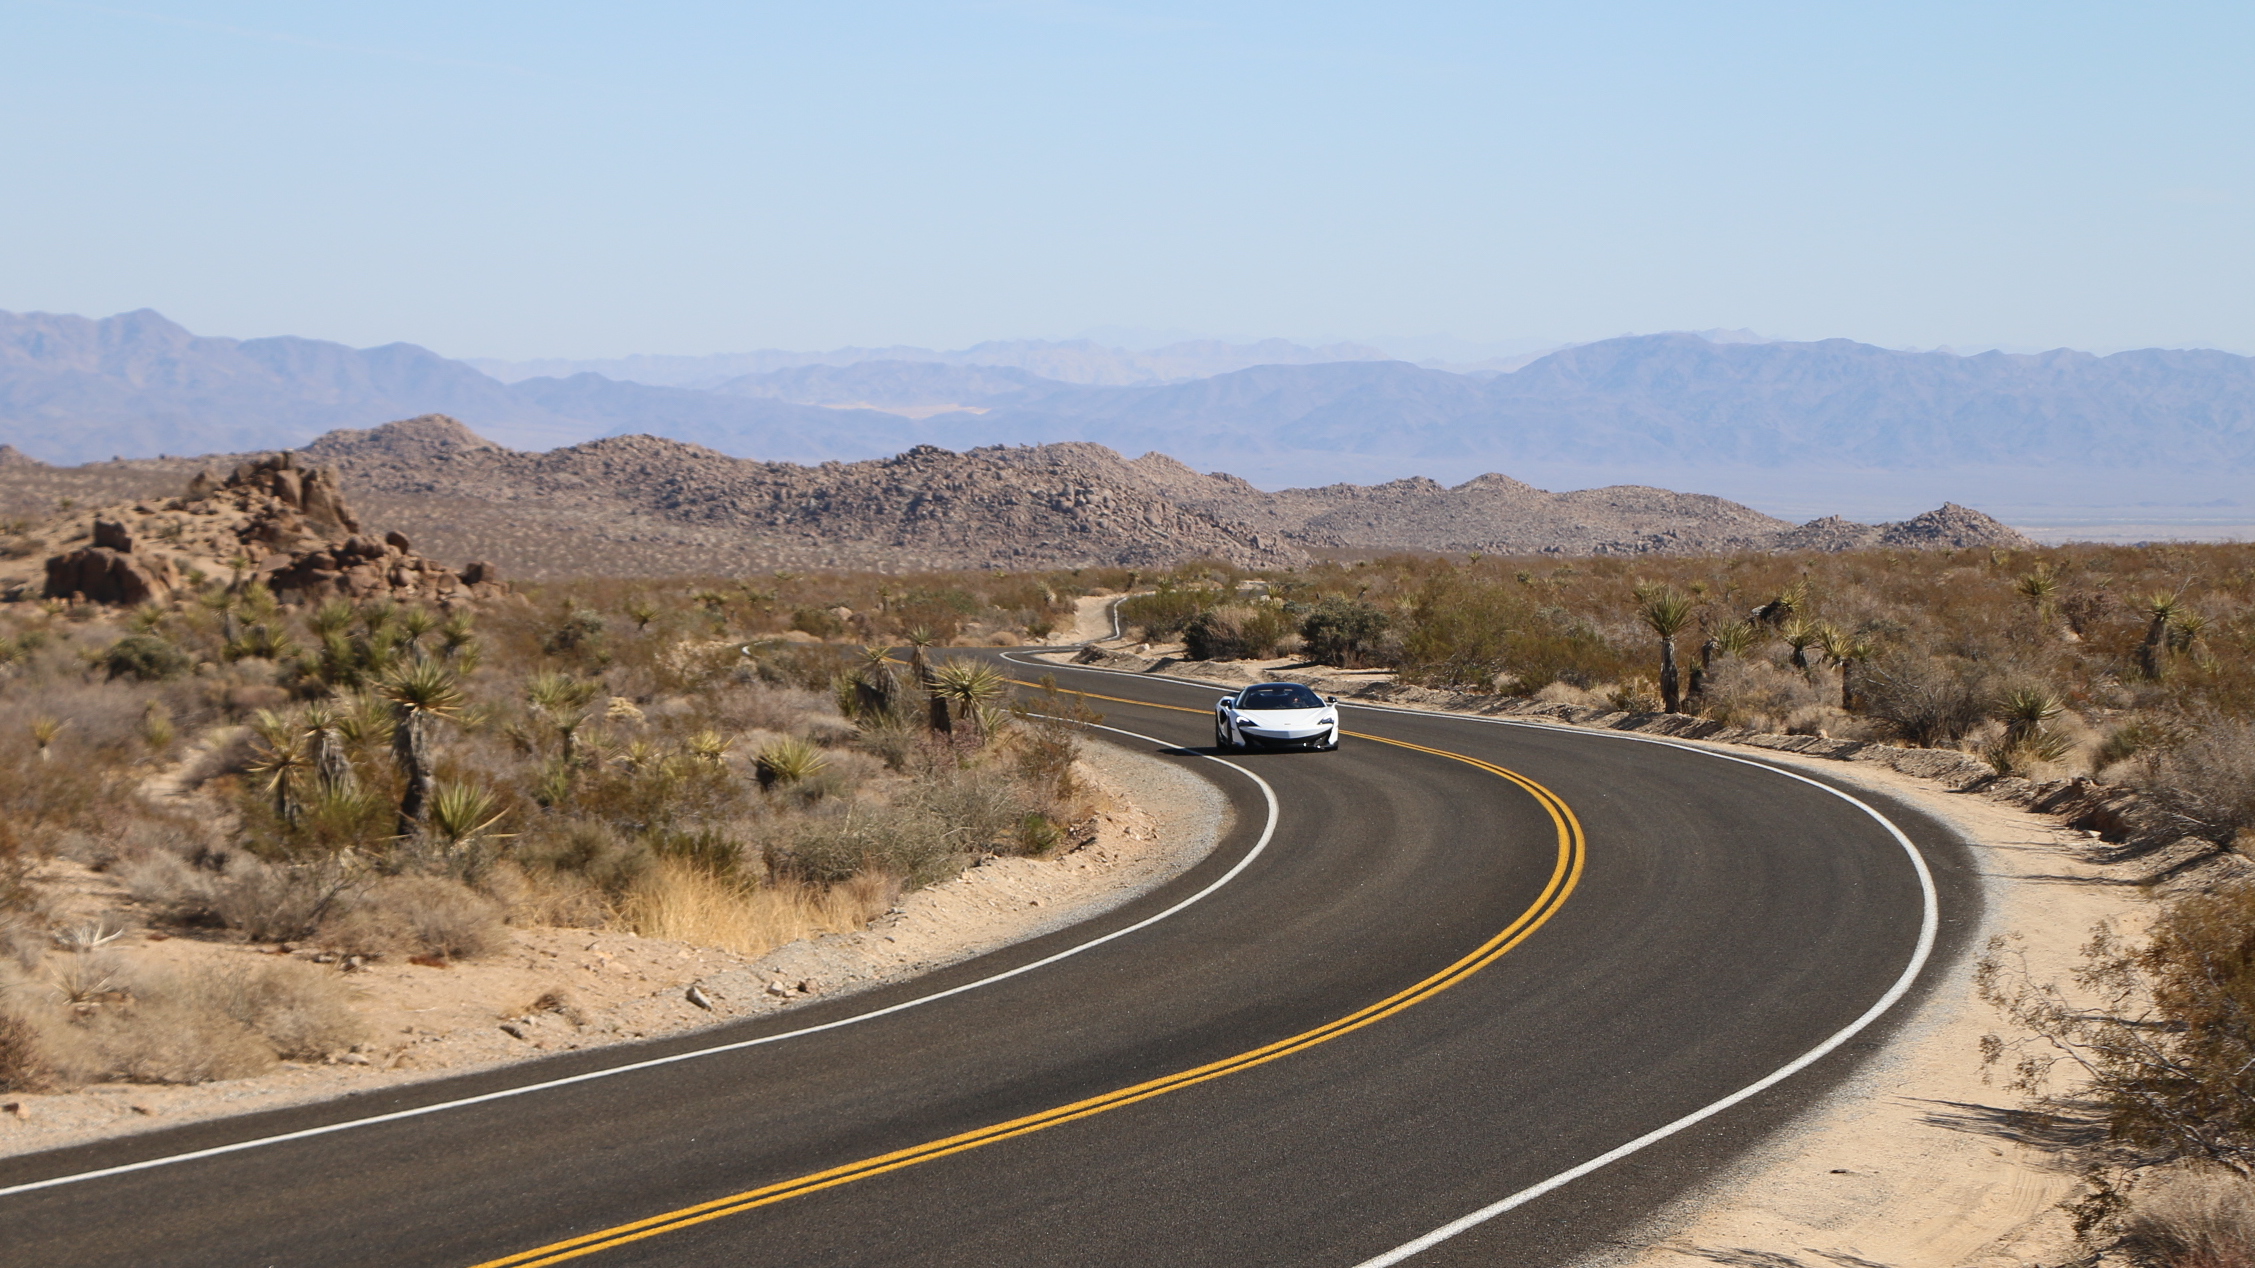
[[580, 180]]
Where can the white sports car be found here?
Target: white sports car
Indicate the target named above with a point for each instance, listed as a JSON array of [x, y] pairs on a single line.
[[1276, 715]]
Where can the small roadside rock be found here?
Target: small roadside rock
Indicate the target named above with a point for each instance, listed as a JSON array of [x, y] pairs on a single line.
[[513, 1030], [697, 996]]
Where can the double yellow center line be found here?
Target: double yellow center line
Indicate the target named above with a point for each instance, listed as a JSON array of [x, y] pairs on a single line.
[[1565, 873]]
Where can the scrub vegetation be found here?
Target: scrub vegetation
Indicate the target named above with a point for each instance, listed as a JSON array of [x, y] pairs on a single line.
[[734, 763], [2134, 665], [2130, 667]]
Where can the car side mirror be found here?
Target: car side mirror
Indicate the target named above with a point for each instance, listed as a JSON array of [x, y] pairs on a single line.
[[1331, 700]]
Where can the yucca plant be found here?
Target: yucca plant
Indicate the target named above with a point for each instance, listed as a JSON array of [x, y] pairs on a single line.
[[44, 731], [968, 685], [787, 761], [333, 617], [710, 746], [421, 696]]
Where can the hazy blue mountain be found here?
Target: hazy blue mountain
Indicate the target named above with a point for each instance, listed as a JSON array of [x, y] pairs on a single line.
[[900, 385], [1067, 361], [74, 389], [736, 425]]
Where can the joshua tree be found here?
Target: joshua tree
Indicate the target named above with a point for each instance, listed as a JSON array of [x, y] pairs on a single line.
[[421, 695], [874, 685], [320, 726], [415, 624], [1849, 652], [1801, 634], [2161, 610], [1665, 611], [2041, 589], [286, 761], [919, 663], [563, 700]]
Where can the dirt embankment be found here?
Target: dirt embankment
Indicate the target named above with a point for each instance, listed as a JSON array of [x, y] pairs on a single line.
[[1920, 1160], [554, 990]]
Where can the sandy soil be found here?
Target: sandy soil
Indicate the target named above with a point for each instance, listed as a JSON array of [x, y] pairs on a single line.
[[1919, 1160], [559, 989]]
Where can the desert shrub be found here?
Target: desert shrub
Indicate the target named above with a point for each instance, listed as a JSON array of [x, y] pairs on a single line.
[[1927, 700], [24, 1064], [302, 1012], [2167, 1046], [2209, 776], [146, 658], [213, 1022], [269, 902], [594, 851], [1169, 610], [711, 849], [1757, 693], [2191, 1218], [1237, 632], [1342, 631], [914, 841], [416, 915], [1636, 695], [820, 622], [161, 1038]]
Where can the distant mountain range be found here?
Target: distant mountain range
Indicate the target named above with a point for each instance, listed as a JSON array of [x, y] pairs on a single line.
[[1070, 361], [1678, 408]]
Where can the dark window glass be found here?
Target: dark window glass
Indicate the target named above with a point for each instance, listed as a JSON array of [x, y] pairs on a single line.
[[1280, 696]]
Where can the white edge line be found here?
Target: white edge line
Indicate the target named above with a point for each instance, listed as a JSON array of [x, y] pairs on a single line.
[[1267, 833], [1929, 923]]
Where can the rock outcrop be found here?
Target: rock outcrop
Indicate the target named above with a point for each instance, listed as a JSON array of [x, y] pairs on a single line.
[[269, 518]]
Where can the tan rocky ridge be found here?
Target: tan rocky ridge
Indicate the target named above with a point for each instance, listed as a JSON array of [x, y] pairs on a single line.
[[270, 517], [650, 506]]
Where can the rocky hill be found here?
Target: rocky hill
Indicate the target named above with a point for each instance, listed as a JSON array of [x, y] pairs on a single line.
[[272, 517], [644, 505]]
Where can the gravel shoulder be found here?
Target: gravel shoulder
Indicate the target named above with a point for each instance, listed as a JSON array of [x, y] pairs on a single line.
[[556, 990]]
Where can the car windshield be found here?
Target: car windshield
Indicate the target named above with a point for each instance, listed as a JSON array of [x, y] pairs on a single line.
[[1283, 695]]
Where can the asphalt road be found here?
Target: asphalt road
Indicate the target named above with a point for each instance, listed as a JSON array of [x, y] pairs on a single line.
[[1724, 920]]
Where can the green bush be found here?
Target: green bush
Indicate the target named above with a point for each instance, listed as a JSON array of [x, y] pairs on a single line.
[[1343, 632], [145, 657], [1236, 633]]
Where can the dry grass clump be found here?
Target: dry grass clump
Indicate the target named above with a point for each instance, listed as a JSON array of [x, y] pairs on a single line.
[[197, 1026], [415, 916], [687, 903], [23, 1059], [2201, 1217]]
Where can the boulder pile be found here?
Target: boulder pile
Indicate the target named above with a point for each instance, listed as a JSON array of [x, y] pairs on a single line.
[[270, 519]]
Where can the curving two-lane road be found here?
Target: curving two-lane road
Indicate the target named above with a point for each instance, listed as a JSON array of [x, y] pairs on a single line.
[[1411, 984]]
